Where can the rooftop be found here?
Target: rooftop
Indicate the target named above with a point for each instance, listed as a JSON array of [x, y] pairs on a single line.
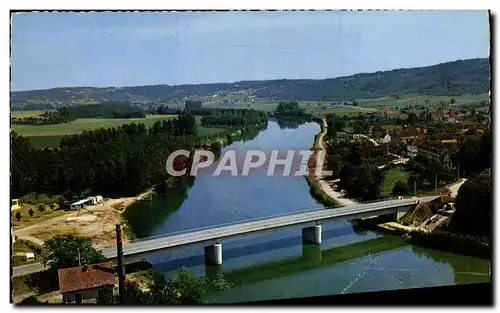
[[86, 277]]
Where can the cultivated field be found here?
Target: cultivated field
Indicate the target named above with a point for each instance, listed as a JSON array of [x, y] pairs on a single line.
[[313, 107], [23, 114], [82, 124], [49, 136], [420, 99]]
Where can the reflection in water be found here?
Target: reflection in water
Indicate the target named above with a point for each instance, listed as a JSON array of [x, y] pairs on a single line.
[[289, 122], [465, 269], [312, 258], [144, 216]]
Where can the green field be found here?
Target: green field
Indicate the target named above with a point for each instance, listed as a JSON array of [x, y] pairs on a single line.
[[82, 124], [392, 176], [23, 114], [49, 136], [420, 99], [313, 107]]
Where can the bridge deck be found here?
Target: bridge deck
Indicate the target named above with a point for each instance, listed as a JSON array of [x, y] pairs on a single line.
[[224, 231]]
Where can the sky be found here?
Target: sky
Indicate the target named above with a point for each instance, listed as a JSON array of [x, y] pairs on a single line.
[[116, 49]]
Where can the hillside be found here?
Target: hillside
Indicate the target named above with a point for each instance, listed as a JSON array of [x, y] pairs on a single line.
[[451, 78]]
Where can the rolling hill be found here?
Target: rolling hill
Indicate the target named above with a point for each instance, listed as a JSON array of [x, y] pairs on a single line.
[[447, 79]]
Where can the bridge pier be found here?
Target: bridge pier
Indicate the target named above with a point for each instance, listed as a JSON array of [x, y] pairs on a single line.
[[213, 254], [401, 211], [311, 234]]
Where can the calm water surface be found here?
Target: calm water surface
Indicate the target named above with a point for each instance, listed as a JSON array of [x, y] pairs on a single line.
[[277, 265]]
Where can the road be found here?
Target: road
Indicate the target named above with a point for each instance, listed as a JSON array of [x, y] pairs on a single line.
[[369, 139], [327, 186], [456, 186], [215, 233]]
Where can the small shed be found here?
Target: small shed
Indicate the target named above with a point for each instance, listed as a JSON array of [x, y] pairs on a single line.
[[30, 256]]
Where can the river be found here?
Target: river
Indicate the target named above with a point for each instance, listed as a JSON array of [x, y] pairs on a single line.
[[277, 265]]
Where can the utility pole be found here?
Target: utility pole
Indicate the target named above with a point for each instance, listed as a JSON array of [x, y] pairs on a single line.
[[415, 188], [436, 184], [79, 261], [458, 171], [121, 269]]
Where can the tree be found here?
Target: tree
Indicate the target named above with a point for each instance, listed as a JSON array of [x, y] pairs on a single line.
[[412, 118], [401, 188], [473, 207], [31, 300], [18, 216], [62, 252], [41, 208], [290, 108], [363, 181], [453, 101], [31, 212], [185, 288]]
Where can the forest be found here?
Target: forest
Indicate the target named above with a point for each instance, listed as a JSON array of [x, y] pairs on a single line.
[[450, 78], [114, 161], [234, 118]]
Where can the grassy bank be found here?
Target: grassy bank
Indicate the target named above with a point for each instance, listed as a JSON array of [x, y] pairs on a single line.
[[318, 194], [314, 188], [451, 242]]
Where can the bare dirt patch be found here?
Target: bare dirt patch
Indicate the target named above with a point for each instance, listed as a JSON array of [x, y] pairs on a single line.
[[96, 222]]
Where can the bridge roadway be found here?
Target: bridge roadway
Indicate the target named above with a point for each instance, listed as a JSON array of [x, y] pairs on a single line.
[[213, 234], [309, 218]]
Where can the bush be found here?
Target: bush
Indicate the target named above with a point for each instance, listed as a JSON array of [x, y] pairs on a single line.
[[30, 300], [400, 188]]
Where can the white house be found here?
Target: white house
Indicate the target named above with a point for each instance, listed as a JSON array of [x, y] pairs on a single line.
[[384, 139]]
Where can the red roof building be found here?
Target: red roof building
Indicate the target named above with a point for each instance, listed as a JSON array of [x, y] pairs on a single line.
[[84, 284]]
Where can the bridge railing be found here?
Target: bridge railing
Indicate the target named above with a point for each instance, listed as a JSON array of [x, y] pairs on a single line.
[[256, 219], [226, 224]]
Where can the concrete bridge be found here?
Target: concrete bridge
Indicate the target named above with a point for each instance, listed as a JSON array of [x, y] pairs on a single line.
[[310, 221]]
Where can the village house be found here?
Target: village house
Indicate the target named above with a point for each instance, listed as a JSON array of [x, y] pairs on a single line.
[[385, 138], [88, 283], [405, 135], [439, 149], [377, 132]]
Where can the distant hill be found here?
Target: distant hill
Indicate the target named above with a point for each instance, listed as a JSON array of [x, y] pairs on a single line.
[[451, 78]]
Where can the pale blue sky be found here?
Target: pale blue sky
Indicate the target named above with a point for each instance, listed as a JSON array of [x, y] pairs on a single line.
[[129, 49]]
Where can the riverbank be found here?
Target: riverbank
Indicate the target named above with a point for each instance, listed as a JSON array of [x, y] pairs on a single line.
[[321, 188], [440, 239]]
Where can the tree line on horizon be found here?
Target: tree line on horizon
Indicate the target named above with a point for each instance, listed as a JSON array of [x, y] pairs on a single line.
[[450, 79]]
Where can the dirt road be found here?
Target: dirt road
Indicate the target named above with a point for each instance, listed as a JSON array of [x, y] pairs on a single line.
[[328, 185]]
